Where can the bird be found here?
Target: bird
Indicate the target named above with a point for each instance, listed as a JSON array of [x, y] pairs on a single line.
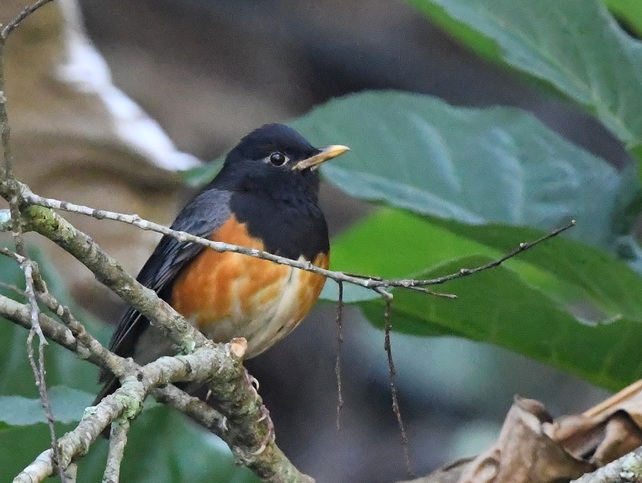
[[264, 197]]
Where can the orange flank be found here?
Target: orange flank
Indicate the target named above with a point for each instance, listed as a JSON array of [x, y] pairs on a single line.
[[229, 295]]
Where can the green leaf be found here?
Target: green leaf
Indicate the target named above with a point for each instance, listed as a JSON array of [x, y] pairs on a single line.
[[176, 450], [67, 406], [464, 33], [575, 45], [21, 444], [202, 175], [162, 446], [628, 12], [471, 165], [587, 282], [546, 303], [63, 367]]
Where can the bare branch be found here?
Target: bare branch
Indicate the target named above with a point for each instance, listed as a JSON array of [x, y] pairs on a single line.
[[244, 426], [627, 469], [337, 365], [182, 236], [117, 443], [375, 283], [38, 470], [100, 355], [465, 272], [242, 410], [20, 314], [224, 370], [28, 266], [392, 371]]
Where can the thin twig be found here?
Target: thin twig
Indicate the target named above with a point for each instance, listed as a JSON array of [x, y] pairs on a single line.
[[20, 315], [28, 266], [182, 236], [104, 357], [117, 443], [7, 29], [375, 283], [393, 388], [32, 278], [337, 364], [38, 368], [12, 288], [465, 272]]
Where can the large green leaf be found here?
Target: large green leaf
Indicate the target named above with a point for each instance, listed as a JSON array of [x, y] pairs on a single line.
[[67, 406], [21, 444], [471, 165], [63, 368], [563, 302], [628, 12], [464, 33], [575, 45]]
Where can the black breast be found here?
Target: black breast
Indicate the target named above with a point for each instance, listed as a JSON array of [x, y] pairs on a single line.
[[290, 227]]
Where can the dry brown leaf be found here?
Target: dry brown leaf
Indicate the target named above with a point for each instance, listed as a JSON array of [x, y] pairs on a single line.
[[605, 432], [532, 448], [523, 453]]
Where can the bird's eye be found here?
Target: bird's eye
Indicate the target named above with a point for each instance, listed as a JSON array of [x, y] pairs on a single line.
[[278, 159]]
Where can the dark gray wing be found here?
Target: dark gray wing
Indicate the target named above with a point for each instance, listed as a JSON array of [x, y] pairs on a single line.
[[202, 216]]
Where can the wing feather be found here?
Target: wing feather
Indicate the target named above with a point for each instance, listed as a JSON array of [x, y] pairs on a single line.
[[202, 216]]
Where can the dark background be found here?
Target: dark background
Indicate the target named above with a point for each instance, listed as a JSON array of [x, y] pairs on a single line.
[[211, 71]]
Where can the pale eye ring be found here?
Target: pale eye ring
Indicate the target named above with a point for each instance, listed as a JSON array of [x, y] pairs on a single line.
[[278, 159]]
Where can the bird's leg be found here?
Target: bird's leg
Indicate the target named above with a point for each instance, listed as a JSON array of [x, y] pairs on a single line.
[[265, 415], [270, 435]]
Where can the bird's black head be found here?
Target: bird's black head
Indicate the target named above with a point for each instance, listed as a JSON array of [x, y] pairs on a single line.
[[276, 161]]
